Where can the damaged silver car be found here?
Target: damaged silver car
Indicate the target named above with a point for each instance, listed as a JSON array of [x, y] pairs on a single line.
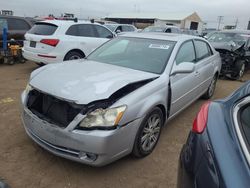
[[116, 101]]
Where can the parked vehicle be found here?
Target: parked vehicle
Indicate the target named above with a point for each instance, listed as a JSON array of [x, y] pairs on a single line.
[[116, 101], [118, 28], [190, 32], [54, 41], [216, 154], [208, 31], [17, 27], [233, 46], [164, 29]]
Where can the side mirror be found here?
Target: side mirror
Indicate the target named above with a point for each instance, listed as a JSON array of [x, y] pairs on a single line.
[[183, 68], [110, 36]]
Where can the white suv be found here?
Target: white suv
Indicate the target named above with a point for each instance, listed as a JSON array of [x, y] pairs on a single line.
[[56, 41]]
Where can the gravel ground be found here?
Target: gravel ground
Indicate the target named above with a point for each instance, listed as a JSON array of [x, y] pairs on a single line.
[[25, 164]]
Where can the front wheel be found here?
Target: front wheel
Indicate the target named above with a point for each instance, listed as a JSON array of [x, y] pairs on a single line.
[[211, 89], [148, 134], [240, 68]]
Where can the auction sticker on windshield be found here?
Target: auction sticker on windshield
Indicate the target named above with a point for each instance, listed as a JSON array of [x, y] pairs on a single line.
[[159, 46]]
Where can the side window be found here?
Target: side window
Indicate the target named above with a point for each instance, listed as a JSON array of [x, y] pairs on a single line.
[[17, 24], [119, 28], [127, 28], [103, 32], [86, 30], [202, 49], [168, 30], [73, 30], [186, 53], [245, 122]]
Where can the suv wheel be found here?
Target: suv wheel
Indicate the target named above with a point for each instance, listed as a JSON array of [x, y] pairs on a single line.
[[148, 133], [73, 55], [210, 91]]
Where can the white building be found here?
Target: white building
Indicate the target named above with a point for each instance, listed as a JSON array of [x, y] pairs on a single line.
[[182, 20]]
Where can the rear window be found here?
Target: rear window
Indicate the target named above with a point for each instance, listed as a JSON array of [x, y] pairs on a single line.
[[43, 29], [17, 24]]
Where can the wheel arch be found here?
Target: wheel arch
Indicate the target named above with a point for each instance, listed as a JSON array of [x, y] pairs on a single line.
[[75, 50]]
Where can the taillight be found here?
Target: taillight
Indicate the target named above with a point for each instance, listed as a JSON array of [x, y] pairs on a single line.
[[200, 121], [50, 42]]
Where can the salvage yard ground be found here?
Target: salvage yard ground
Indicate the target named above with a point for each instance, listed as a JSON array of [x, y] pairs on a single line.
[[25, 164]]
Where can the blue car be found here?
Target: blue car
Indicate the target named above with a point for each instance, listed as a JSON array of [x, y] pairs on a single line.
[[216, 153]]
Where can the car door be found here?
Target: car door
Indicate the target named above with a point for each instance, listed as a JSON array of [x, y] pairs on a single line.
[[184, 88], [88, 38], [205, 64]]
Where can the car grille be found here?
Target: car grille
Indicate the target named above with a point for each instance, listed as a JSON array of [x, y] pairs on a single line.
[[52, 109]]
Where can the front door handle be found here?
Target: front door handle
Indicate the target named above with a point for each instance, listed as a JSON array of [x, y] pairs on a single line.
[[197, 73]]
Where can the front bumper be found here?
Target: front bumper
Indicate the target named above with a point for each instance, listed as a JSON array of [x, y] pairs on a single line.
[[38, 59], [79, 145]]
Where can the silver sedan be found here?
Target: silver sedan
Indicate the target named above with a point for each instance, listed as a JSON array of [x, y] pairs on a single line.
[[116, 101]]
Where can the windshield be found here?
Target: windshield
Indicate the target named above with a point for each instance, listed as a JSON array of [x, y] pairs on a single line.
[[111, 27], [154, 29], [227, 37], [147, 55]]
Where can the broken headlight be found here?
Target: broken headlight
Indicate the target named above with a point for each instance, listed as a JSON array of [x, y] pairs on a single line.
[[103, 118], [28, 89]]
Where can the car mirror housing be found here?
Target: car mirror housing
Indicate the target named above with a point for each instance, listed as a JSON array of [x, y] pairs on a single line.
[[183, 68]]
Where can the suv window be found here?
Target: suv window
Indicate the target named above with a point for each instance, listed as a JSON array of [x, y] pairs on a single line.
[[73, 30], [103, 32], [83, 30], [175, 30], [127, 28], [245, 122], [186, 53], [202, 49], [86, 30], [168, 30], [17, 24], [43, 29]]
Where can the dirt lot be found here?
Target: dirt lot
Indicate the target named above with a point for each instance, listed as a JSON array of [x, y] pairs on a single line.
[[24, 164]]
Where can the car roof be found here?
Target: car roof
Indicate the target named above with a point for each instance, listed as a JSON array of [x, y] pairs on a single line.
[[117, 24], [66, 22], [235, 31], [161, 36], [164, 26]]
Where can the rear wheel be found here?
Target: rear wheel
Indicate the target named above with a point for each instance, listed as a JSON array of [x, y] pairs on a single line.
[[73, 55], [148, 133], [210, 91]]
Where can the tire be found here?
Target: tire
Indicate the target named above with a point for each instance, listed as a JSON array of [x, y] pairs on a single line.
[[73, 55], [148, 133], [210, 91], [240, 68]]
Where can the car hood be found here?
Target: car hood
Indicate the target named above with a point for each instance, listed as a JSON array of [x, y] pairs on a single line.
[[224, 46], [85, 81]]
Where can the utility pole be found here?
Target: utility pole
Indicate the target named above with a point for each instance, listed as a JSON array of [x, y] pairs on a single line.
[[236, 23], [220, 18]]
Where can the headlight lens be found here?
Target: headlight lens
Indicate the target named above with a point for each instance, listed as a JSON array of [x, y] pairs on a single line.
[[103, 117], [28, 88]]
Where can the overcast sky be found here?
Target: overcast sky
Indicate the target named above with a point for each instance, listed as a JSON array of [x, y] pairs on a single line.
[[208, 10]]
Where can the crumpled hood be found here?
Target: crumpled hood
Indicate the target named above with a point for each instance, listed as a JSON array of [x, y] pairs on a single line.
[[224, 46], [85, 81]]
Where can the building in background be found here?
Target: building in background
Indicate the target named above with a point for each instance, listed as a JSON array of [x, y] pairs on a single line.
[[7, 12], [141, 20]]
